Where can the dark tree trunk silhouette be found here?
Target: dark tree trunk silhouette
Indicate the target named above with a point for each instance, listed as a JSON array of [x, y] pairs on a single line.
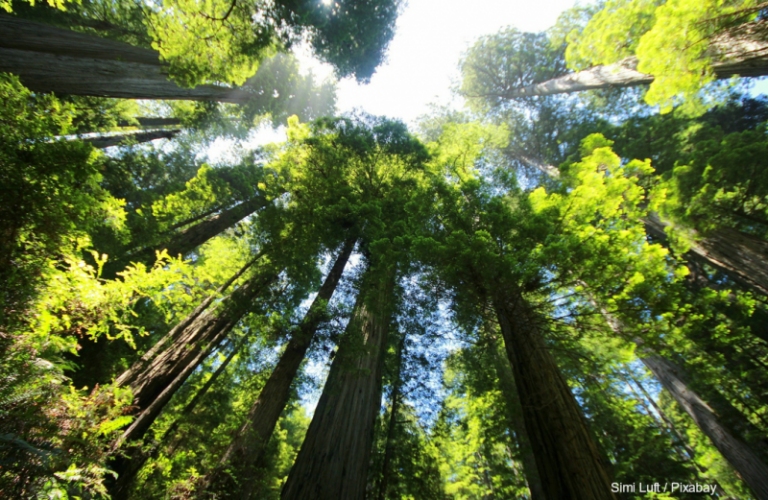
[[130, 465], [107, 141], [334, 458], [245, 454], [51, 59], [747, 463], [742, 458], [186, 240], [158, 380], [517, 424], [567, 458], [389, 445]]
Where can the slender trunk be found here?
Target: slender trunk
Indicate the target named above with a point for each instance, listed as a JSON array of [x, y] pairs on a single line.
[[246, 453], [517, 424], [389, 446], [749, 466], [196, 218], [130, 375], [670, 425], [742, 458], [742, 51], [183, 242], [51, 59], [334, 459], [204, 332], [107, 141], [743, 257], [129, 466], [151, 122], [567, 458]]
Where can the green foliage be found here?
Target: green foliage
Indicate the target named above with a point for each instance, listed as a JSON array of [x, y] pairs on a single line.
[[497, 64], [50, 192], [669, 38]]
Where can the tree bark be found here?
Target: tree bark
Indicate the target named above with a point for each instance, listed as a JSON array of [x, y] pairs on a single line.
[[749, 466], [158, 381], [151, 122], [389, 446], [741, 51], [51, 59], [130, 375], [743, 257], [334, 458], [129, 466], [246, 453], [517, 424], [107, 141], [183, 242], [567, 458]]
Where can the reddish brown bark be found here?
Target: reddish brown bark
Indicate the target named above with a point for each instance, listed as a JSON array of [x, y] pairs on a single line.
[[156, 382], [245, 454], [567, 458], [51, 59], [129, 466], [334, 458]]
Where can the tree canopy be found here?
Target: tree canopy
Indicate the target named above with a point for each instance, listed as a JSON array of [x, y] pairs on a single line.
[[544, 295]]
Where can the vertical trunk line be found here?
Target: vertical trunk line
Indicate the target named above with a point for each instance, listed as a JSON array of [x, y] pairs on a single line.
[[566, 456], [246, 453], [333, 461]]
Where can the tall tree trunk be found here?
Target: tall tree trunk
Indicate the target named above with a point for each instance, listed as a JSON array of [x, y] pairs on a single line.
[[246, 453], [129, 466], [51, 59], [747, 463], [742, 458], [669, 424], [389, 446], [183, 242], [158, 380], [107, 141], [130, 375], [334, 458], [743, 257], [517, 424], [741, 51], [567, 458], [152, 122]]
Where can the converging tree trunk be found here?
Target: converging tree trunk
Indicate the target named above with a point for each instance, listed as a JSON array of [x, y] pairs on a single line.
[[334, 458], [245, 455], [51, 59], [129, 466], [567, 458], [748, 464], [743, 257], [186, 240], [517, 424], [107, 141], [741, 51], [156, 382], [742, 458], [394, 407]]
